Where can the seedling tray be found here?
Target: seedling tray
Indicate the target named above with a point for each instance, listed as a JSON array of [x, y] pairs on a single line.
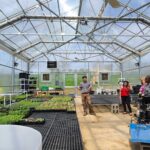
[[61, 130]]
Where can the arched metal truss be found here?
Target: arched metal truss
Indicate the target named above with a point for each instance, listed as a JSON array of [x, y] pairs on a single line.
[[40, 30]]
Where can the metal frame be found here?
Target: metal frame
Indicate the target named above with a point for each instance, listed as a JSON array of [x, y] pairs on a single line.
[[111, 19], [92, 42], [11, 50]]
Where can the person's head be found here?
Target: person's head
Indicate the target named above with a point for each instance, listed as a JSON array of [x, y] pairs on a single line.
[[142, 80], [84, 78], [147, 79], [126, 83]]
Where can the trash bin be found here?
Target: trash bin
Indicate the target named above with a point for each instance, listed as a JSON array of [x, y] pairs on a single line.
[[14, 137]]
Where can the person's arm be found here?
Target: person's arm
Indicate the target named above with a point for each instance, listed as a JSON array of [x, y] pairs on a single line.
[[120, 93], [80, 87], [90, 87], [129, 88]]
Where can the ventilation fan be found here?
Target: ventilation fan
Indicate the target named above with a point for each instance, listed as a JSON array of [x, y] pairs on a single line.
[[113, 3]]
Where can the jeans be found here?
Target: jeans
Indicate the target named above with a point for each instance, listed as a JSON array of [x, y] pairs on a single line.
[[126, 102], [86, 102]]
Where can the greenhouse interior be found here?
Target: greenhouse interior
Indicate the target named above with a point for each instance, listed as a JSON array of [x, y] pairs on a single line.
[[74, 75]]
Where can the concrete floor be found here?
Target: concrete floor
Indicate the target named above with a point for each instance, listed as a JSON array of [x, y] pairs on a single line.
[[104, 131]]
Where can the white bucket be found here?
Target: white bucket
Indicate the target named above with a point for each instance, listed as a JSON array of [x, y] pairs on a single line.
[[14, 137]]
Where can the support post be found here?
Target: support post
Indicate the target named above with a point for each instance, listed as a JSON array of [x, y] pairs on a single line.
[[139, 65], [13, 74], [121, 70], [28, 67], [39, 75]]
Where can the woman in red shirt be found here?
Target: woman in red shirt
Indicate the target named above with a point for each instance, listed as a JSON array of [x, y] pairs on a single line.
[[125, 97]]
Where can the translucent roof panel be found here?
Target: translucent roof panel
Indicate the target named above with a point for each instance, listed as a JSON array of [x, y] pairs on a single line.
[[55, 29]]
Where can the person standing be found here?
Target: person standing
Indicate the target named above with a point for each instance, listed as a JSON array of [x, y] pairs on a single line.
[[147, 87], [142, 88], [125, 97], [85, 88]]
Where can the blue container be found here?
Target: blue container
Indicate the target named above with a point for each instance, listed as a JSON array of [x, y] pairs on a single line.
[[140, 133]]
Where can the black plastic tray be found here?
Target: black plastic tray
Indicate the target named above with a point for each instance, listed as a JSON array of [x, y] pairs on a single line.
[[61, 130]]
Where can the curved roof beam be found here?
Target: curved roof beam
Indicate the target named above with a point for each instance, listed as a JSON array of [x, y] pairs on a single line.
[[4, 46], [101, 50], [99, 47], [127, 48], [112, 19], [118, 43]]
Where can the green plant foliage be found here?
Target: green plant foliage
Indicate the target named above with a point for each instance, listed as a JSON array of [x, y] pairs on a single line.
[[69, 78], [24, 105], [61, 99], [8, 119], [20, 109], [58, 102], [19, 112]]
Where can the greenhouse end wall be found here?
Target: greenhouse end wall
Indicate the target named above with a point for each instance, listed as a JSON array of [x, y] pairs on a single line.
[[70, 73]]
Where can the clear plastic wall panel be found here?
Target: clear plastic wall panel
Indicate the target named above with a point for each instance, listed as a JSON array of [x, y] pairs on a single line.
[[33, 52], [136, 41], [56, 79], [43, 67], [9, 7], [146, 11], [5, 79], [34, 67], [73, 66], [68, 30], [134, 28], [132, 76], [69, 8], [105, 67], [94, 66], [130, 64], [132, 4], [20, 40], [5, 58], [109, 80], [115, 67], [92, 6], [110, 11], [17, 81], [145, 71], [22, 65], [145, 60], [144, 46], [37, 11], [26, 4], [8, 30], [86, 28], [41, 27]]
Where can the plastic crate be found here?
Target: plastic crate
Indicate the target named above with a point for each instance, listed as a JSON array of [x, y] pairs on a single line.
[[44, 88], [140, 133]]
